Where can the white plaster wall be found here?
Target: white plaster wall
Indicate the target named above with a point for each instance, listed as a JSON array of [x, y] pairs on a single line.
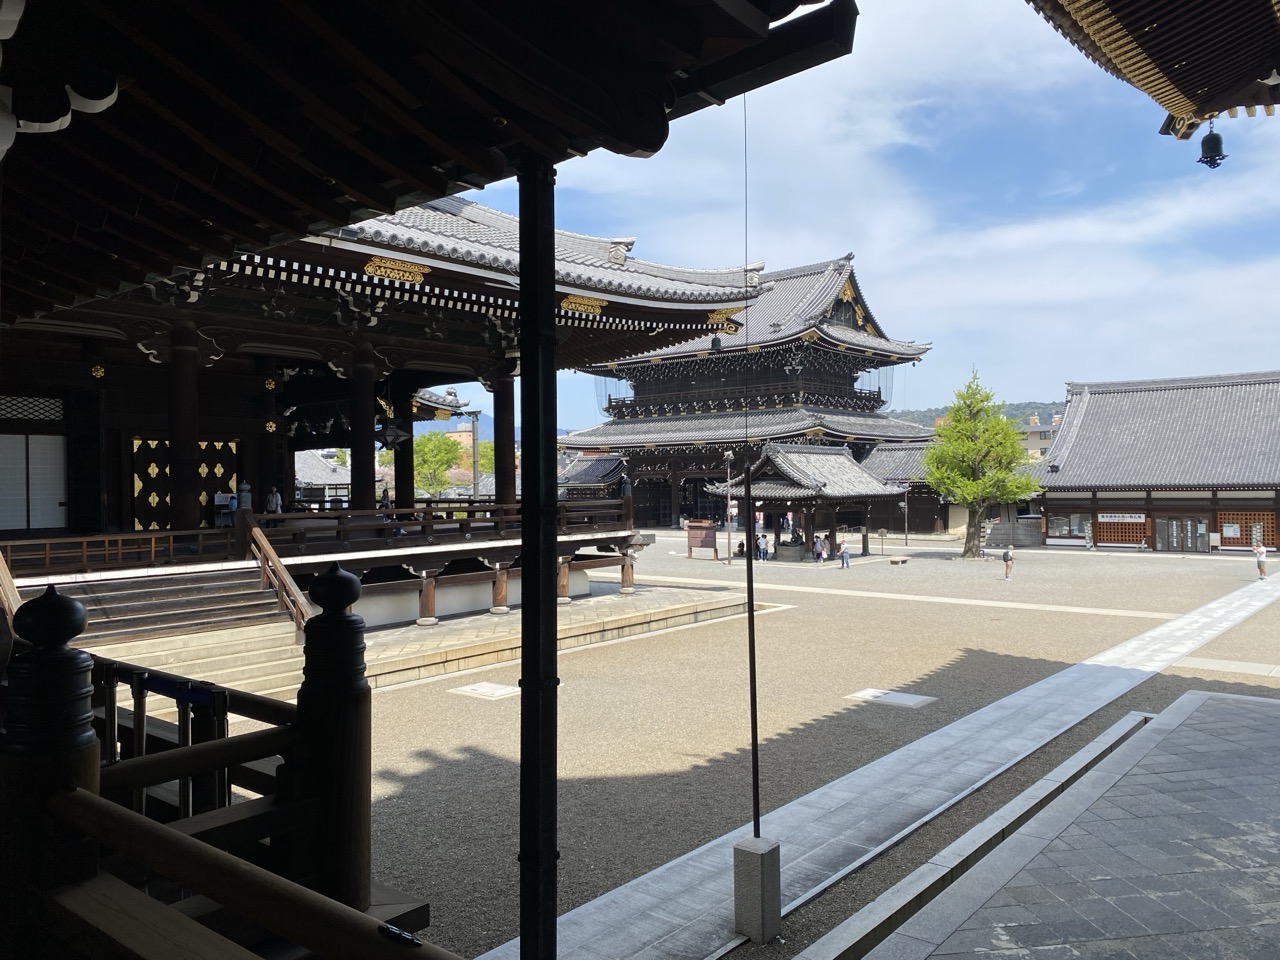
[[384, 604]]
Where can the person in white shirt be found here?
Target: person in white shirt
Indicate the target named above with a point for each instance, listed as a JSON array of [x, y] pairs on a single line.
[[1260, 554]]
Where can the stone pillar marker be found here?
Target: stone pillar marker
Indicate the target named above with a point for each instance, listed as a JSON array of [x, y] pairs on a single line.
[[757, 889]]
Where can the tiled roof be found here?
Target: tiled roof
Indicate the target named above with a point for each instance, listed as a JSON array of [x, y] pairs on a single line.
[[800, 472], [599, 471], [467, 233], [780, 424], [312, 470], [431, 398], [897, 462], [792, 302], [1191, 433]]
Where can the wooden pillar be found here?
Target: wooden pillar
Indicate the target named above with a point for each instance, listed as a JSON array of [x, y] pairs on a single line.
[[364, 495], [504, 440], [562, 579], [402, 458], [184, 427], [676, 500], [334, 755], [539, 848], [427, 597], [809, 520], [1150, 538], [866, 529], [47, 744], [499, 605], [1093, 518], [629, 572]]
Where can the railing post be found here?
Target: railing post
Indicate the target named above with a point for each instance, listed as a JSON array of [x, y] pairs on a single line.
[[334, 754], [47, 744], [628, 571]]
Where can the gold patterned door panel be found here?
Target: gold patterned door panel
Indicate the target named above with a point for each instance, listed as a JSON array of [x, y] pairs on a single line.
[[151, 486]]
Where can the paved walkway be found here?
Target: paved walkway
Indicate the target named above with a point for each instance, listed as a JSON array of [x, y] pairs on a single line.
[[684, 909], [1166, 850]]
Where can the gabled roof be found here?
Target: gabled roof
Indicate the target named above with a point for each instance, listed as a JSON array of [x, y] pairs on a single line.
[[783, 423], [470, 235], [599, 471], [791, 472], [897, 462], [1192, 433], [795, 303]]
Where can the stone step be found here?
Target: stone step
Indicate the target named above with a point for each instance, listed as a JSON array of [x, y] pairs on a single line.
[[228, 640], [191, 584], [134, 629]]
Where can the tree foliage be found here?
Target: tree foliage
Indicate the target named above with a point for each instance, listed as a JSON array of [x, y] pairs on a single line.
[[486, 456], [433, 455], [978, 459], [342, 457]]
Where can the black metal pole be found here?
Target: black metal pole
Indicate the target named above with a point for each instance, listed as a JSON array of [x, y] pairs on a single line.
[[538, 681], [751, 646]]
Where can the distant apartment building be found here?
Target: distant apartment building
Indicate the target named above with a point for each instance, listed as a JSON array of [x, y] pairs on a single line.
[[1039, 436]]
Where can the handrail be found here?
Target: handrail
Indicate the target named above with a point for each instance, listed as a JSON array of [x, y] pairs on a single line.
[[275, 573], [197, 758], [324, 926], [241, 703]]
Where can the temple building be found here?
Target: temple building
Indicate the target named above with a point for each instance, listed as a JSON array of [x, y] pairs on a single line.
[[169, 396], [805, 362], [1185, 465]]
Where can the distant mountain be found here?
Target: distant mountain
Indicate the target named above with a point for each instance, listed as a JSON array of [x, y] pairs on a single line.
[[1014, 411]]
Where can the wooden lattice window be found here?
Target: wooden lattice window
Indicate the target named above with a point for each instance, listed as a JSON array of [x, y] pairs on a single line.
[[1246, 519], [1111, 532]]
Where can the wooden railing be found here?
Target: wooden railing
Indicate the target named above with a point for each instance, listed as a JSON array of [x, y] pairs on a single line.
[[315, 822], [104, 550], [276, 575]]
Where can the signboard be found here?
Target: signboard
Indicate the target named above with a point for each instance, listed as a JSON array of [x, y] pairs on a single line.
[[1122, 518], [1230, 530]]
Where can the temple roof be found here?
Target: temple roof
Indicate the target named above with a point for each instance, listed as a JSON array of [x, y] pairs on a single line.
[[791, 472], [755, 426], [598, 471], [473, 236], [897, 462], [794, 303], [1193, 433], [312, 470], [160, 137], [1194, 59]]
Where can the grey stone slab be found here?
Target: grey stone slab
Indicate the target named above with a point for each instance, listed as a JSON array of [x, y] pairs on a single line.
[[896, 947]]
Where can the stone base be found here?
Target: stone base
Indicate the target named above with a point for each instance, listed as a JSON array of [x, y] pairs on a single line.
[[499, 611], [627, 590], [563, 600], [757, 889], [427, 621]]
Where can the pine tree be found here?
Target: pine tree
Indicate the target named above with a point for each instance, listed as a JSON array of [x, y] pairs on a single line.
[[978, 459]]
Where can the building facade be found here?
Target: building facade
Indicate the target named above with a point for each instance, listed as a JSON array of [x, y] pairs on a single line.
[[1184, 465], [805, 362]]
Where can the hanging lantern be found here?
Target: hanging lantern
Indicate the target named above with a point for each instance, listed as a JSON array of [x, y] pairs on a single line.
[[1211, 154]]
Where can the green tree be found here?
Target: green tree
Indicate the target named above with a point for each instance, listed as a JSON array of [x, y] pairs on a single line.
[[342, 457], [433, 455], [978, 458], [486, 456]]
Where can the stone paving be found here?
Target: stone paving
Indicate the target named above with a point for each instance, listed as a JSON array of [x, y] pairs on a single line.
[[684, 909], [1167, 849], [396, 655]]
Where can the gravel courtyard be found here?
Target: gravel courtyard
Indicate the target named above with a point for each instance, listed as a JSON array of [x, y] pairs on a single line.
[[654, 748]]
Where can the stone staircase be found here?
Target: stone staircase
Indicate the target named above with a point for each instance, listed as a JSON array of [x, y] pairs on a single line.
[[219, 626]]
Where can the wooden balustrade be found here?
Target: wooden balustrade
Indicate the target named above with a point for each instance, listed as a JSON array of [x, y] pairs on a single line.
[[317, 818], [105, 550]]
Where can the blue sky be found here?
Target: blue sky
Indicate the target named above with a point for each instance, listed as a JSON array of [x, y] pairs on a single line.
[[1005, 200]]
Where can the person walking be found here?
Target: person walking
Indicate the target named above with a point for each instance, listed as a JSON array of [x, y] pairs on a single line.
[[762, 547], [1008, 562], [1260, 554], [844, 555]]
